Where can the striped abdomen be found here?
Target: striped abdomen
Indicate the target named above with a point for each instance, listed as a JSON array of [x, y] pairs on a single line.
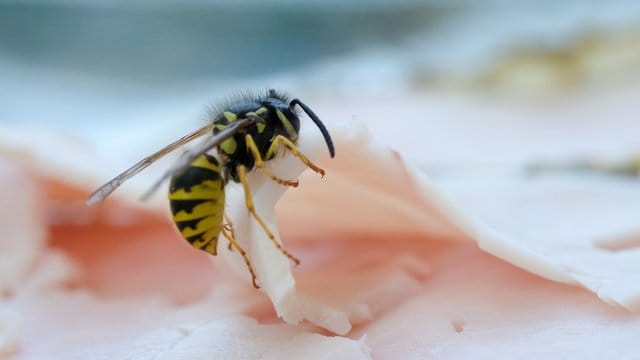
[[196, 198]]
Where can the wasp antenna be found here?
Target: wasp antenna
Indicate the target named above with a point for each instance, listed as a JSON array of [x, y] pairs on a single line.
[[316, 120]]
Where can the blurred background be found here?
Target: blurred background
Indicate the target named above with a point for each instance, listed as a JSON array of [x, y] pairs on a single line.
[[106, 69], [481, 94]]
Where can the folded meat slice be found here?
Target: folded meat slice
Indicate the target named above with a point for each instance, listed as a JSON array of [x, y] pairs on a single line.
[[371, 193]]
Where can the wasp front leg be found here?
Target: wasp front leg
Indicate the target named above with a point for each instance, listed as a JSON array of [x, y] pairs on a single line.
[[251, 145], [294, 150]]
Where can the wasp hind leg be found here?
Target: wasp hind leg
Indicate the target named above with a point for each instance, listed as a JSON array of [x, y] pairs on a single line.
[[232, 241], [229, 227], [294, 150], [251, 145], [242, 174]]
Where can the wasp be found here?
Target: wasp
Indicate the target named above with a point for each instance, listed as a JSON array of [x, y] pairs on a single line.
[[246, 133]]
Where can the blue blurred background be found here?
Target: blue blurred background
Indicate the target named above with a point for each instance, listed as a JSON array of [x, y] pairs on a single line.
[[89, 66]]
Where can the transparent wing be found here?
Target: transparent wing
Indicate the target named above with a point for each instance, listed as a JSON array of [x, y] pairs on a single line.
[[105, 190], [190, 156]]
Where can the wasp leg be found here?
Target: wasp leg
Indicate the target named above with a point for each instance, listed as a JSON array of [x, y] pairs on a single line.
[[294, 150], [243, 253], [251, 145], [242, 174], [229, 227]]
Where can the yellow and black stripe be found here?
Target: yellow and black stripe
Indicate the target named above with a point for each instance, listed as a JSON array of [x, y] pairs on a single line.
[[196, 198]]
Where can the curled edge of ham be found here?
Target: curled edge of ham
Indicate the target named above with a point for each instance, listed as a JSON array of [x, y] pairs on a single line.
[[367, 177]]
